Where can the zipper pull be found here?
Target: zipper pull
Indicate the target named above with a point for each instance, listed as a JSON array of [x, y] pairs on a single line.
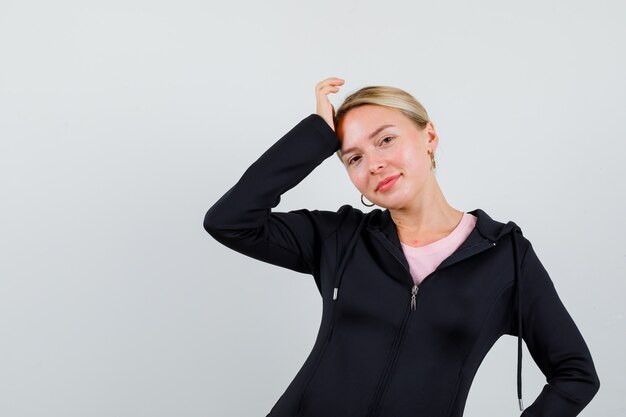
[[413, 292]]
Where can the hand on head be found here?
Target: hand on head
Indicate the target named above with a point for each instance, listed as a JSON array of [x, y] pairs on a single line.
[[324, 107]]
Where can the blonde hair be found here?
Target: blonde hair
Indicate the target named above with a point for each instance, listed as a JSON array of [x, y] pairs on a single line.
[[386, 96]]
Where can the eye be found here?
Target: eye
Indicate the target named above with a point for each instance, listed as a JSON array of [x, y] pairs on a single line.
[[389, 137], [352, 159]]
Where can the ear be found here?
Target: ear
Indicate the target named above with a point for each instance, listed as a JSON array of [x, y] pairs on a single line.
[[432, 140]]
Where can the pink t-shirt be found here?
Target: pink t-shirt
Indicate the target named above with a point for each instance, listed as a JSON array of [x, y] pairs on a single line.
[[425, 259]]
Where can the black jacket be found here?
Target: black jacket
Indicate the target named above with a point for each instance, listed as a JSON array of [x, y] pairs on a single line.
[[386, 347]]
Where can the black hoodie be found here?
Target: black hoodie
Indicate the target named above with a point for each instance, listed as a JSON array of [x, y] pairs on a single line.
[[387, 347]]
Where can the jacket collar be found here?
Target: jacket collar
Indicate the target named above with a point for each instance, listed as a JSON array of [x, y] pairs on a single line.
[[486, 227]]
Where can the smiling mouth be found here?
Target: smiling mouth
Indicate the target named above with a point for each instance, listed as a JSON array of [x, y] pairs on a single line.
[[388, 184]]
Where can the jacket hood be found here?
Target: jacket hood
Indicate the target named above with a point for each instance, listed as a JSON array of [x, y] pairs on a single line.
[[486, 228]]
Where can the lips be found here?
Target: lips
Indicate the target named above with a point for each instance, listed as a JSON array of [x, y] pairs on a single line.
[[387, 180]]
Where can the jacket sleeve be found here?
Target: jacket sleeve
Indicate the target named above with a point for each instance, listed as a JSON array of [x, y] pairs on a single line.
[[555, 344], [243, 220]]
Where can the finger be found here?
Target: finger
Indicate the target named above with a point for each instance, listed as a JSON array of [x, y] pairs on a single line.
[[328, 89], [335, 81], [330, 81]]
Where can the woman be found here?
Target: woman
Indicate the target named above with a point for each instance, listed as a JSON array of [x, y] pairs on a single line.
[[414, 295]]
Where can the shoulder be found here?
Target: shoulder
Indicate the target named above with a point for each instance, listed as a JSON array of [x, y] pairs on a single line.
[[328, 222]]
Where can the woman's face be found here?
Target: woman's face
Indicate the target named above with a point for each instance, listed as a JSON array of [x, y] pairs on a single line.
[[398, 151]]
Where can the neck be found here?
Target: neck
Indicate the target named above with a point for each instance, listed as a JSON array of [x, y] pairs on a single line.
[[427, 217]]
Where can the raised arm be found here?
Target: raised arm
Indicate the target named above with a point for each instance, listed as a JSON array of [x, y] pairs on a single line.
[[242, 218], [556, 345]]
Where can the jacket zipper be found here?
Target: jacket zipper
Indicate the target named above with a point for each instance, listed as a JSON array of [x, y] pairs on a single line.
[[377, 400], [465, 253], [380, 391]]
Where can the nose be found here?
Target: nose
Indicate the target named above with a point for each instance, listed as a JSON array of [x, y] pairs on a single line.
[[376, 164]]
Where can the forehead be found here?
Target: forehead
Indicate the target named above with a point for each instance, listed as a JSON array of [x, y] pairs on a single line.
[[359, 123]]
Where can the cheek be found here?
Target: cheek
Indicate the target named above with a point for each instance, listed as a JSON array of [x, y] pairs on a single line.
[[413, 162], [358, 178]]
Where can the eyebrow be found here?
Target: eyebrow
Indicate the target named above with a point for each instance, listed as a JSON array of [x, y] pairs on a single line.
[[372, 135]]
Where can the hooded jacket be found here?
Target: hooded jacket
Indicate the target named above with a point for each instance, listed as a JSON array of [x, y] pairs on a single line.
[[387, 347]]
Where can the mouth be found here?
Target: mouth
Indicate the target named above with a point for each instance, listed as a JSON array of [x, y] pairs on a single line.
[[387, 183]]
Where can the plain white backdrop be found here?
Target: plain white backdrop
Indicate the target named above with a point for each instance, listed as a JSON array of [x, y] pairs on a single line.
[[122, 122]]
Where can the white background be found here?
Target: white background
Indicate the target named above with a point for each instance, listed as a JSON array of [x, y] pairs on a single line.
[[122, 122]]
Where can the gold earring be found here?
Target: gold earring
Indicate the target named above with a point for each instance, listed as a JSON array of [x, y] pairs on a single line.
[[432, 159]]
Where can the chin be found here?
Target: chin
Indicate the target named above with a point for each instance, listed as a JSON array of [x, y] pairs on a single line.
[[393, 202]]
